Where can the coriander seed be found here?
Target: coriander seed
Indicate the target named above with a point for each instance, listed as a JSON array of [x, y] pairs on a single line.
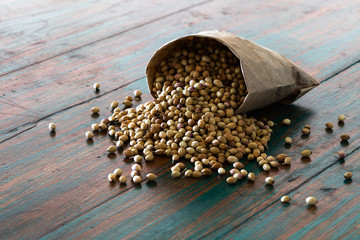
[[342, 154], [96, 86], [118, 172], [348, 175], [114, 104], [286, 121], [52, 127], [95, 110], [311, 201], [89, 135], [175, 174], [251, 176], [137, 93], [95, 127], [344, 137], [138, 158], [231, 180], [270, 180], [151, 177], [111, 149], [287, 161], [305, 131], [285, 199], [137, 179], [288, 140], [306, 153], [111, 177], [329, 125], [136, 167], [122, 179], [341, 118], [188, 173], [221, 171]]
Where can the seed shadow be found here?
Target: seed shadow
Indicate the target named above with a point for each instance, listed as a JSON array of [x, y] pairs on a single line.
[[111, 156], [52, 134], [95, 115], [341, 124], [306, 159], [348, 181], [329, 130], [151, 184], [344, 143], [90, 141]]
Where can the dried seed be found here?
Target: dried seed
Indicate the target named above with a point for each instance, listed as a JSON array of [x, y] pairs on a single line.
[[137, 179], [151, 177], [348, 175], [111, 149], [137, 93], [285, 199], [305, 131], [341, 118], [175, 174], [52, 127], [281, 157], [117, 172], [287, 161], [251, 176], [231, 180], [344, 137], [238, 165], [96, 86], [95, 127], [111, 177], [286, 121], [269, 180], [136, 167], [306, 153], [232, 159], [329, 125], [188, 173], [311, 201], [266, 167], [342, 154], [95, 110], [138, 158], [288, 140], [307, 126], [196, 174], [122, 179], [221, 171]]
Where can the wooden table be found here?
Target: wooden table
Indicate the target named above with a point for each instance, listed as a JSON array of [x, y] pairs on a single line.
[[55, 185]]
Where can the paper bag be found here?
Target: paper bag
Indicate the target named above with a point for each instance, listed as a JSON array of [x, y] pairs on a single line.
[[269, 76]]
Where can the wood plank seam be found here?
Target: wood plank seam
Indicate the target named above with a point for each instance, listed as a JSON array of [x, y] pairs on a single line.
[[340, 71], [62, 110], [277, 201], [105, 38], [98, 205]]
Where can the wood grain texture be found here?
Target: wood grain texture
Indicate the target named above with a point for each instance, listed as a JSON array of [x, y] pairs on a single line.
[[56, 187], [119, 60]]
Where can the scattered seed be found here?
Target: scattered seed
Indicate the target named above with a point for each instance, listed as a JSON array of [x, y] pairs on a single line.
[[288, 140], [243, 172], [231, 180], [307, 126], [266, 167], [270, 180], [286, 121], [287, 161], [251, 176], [114, 104], [137, 93], [95, 127], [176, 174], [111, 149], [122, 179], [117, 172], [305, 131], [95, 110], [188, 173], [311, 201], [137, 179], [345, 137], [341, 118], [306, 153], [136, 167], [111, 177], [221, 171], [285, 199], [127, 103], [281, 157], [151, 177], [329, 125], [89, 135], [342, 154], [348, 175], [238, 165], [138, 158], [96, 86], [52, 127]]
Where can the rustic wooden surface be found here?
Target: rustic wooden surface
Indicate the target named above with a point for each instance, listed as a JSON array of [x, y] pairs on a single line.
[[55, 186]]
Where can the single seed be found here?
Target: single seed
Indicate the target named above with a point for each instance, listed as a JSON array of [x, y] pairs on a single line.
[[89, 135], [269, 180], [111, 177], [251, 176], [274, 164], [233, 171], [306, 153], [342, 154], [243, 172], [307, 126], [151, 177], [231, 180], [281, 157], [221, 171], [114, 104], [288, 140], [52, 127], [311, 201], [238, 176], [345, 137], [127, 103], [287, 161], [122, 179], [95, 110], [136, 167], [348, 175], [96, 86], [118, 172], [137, 179], [266, 167], [95, 127], [138, 158], [238, 165], [206, 171], [329, 125], [341, 118], [137, 93], [175, 174], [196, 174], [305, 131], [232, 159], [285, 199], [188, 173], [111, 149], [134, 173], [286, 121]]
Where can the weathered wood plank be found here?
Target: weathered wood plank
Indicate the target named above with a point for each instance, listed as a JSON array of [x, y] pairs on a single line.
[[33, 31], [68, 176], [121, 59]]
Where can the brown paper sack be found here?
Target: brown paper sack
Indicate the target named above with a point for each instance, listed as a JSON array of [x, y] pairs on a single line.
[[269, 77]]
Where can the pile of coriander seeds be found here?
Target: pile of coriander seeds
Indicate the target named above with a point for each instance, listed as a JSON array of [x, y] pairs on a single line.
[[198, 89]]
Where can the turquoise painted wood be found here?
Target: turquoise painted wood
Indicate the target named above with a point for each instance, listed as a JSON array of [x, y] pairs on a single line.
[[55, 186]]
